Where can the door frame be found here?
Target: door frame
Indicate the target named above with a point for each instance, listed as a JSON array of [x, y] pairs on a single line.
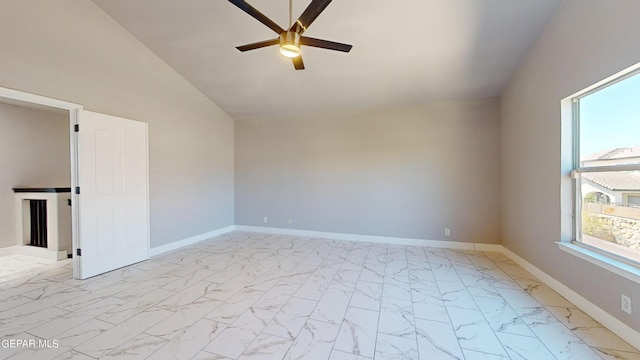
[[21, 98]]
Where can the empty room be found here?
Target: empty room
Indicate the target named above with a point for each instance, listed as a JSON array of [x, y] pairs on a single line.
[[317, 179]]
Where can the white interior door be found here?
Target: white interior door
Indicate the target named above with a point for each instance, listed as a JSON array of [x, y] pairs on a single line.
[[113, 201]]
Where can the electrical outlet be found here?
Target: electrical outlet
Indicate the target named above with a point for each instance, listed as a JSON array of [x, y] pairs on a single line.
[[266, 220], [290, 221], [447, 232], [625, 303]]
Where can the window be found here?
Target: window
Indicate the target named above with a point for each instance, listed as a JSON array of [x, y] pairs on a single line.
[[607, 167]]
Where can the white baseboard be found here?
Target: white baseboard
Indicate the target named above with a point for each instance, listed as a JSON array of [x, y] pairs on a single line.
[[325, 235], [489, 248], [189, 241], [610, 322], [371, 238], [40, 253]]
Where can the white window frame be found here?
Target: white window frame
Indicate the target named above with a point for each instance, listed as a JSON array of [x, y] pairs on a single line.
[[621, 265]]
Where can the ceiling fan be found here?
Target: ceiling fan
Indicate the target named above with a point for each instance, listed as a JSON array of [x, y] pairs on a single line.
[[291, 40]]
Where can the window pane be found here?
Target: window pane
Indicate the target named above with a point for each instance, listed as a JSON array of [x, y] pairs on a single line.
[[610, 125], [610, 211]]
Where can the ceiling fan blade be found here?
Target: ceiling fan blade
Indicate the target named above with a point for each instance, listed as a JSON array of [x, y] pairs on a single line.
[[297, 63], [244, 6], [258, 45], [325, 44], [309, 15]]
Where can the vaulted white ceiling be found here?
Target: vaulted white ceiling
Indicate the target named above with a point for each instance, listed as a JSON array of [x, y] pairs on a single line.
[[404, 51]]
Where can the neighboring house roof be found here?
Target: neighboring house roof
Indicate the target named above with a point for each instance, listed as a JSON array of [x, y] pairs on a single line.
[[614, 154], [615, 181]]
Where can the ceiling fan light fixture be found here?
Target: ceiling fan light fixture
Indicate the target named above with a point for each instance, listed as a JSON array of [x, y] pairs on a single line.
[[290, 44]]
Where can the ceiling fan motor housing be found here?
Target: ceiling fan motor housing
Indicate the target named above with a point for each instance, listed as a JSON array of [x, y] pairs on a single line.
[[290, 44]]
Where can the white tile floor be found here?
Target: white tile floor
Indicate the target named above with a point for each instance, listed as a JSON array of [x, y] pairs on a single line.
[[15, 266], [257, 296]]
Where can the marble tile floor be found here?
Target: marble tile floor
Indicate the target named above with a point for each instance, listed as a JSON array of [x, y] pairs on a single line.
[[15, 266], [258, 296]]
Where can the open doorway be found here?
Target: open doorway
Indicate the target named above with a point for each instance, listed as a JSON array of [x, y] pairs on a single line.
[[109, 192], [35, 163]]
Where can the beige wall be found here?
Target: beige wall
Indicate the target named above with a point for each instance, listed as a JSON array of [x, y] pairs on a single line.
[[34, 152], [72, 51], [585, 42], [406, 172]]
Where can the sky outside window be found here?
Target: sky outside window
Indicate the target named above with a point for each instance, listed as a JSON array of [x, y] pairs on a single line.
[[610, 118]]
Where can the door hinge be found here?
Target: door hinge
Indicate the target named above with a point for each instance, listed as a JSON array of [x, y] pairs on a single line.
[[78, 190], [79, 252], [69, 202], [76, 127]]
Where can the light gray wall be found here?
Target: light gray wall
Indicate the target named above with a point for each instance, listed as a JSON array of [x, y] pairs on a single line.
[[71, 50], [585, 42], [34, 152], [405, 172]]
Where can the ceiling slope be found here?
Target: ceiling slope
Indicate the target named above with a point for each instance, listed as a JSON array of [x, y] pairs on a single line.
[[404, 51]]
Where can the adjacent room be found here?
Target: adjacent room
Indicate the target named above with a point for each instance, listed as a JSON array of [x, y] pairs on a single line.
[[317, 179], [35, 155]]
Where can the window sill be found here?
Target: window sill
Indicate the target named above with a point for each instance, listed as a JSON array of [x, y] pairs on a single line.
[[618, 267]]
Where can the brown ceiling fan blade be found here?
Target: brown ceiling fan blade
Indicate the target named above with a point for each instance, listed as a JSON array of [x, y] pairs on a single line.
[[258, 45], [325, 44], [309, 15], [244, 6], [297, 63]]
